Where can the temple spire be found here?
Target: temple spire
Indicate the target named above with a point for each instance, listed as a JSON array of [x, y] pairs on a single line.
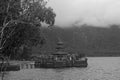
[[60, 45]]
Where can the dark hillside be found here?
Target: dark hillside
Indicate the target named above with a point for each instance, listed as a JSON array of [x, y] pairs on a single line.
[[94, 41]]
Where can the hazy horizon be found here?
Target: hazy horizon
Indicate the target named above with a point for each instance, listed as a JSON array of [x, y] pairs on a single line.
[[91, 12]]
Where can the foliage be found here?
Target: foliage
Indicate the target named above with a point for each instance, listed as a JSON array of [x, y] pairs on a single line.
[[9, 10], [35, 11], [20, 22], [23, 34]]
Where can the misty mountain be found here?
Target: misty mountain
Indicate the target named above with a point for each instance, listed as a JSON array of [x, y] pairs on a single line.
[[85, 39]]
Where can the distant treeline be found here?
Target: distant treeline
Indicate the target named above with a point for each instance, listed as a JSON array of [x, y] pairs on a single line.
[[94, 41]]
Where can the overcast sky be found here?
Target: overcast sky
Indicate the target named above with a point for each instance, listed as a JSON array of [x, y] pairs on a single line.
[[93, 12]]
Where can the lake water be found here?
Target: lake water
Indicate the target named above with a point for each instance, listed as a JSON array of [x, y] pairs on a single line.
[[99, 68]]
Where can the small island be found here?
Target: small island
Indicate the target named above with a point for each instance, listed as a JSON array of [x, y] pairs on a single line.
[[61, 59]]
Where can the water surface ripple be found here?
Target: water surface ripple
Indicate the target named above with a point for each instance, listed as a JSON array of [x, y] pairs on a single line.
[[99, 68]]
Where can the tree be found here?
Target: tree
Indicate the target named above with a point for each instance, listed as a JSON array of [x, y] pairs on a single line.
[[20, 22]]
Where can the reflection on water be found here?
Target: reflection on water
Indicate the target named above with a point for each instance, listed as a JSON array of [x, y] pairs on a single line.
[[102, 68]]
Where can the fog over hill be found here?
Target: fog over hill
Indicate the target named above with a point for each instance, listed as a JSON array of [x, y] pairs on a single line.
[[94, 41]]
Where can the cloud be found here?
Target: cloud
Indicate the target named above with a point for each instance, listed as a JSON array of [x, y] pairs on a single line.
[[93, 12]]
